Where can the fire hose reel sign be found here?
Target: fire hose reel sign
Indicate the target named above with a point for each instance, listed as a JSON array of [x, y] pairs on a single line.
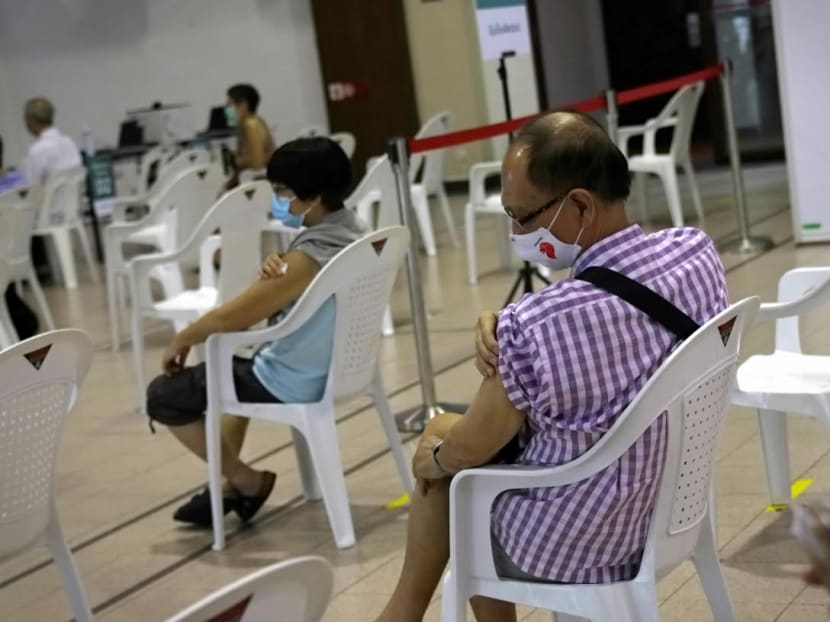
[[341, 91]]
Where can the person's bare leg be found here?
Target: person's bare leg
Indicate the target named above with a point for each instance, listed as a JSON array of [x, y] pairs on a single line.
[[427, 551], [243, 478], [492, 610], [234, 428]]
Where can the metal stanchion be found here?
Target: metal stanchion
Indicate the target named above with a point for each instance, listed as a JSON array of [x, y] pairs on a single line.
[[745, 243], [612, 119], [415, 419]]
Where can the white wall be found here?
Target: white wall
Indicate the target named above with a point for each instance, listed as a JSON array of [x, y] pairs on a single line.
[[96, 58], [802, 48], [573, 49]]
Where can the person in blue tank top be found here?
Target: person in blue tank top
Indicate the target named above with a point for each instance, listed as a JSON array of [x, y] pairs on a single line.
[[310, 177]]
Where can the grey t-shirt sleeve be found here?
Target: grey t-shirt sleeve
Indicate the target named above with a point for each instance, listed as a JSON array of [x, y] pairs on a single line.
[[324, 240]]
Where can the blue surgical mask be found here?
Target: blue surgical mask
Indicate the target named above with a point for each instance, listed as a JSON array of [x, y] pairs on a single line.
[[231, 116], [280, 208]]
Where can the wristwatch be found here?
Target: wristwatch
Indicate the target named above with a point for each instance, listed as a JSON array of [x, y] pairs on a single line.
[[435, 449]]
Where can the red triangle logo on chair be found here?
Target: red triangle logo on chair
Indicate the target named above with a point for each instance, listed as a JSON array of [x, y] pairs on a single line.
[[725, 330], [250, 193], [37, 357], [202, 174], [233, 613], [192, 157], [379, 245], [23, 193]]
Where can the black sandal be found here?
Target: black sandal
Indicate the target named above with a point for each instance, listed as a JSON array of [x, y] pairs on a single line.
[[246, 507], [197, 510]]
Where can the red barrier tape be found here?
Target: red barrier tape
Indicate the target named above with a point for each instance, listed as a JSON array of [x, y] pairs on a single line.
[[666, 86], [451, 139], [460, 137]]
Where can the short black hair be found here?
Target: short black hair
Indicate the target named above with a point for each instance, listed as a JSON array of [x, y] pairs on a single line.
[[313, 167], [570, 150], [246, 93]]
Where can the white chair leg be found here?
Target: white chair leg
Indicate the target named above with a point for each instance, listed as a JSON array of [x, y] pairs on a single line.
[[67, 569], [421, 208], [311, 485], [775, 445], [453, 606], [114, 289], [387, 420], [388, 328], [445, 208], [669, 179], [693, 188], [213, 441], [63, 247], [40, 298], [470, 235], [321, 436], [137, 335], [87, 250], [505, 247], [641, 195], [709, 571]]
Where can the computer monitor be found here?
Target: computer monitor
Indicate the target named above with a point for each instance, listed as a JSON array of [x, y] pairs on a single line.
[[217, 120], [130, 134]]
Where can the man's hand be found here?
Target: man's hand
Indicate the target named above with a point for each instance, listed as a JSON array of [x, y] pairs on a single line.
[[487, 346], [273, 267], [423, 464], [172, 362]]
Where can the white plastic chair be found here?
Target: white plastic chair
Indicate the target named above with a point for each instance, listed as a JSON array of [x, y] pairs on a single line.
[[41, 377], [240, 215], [680, 114], [310, 131], [347, 142], [787, 381], [174, 211], [360, 278], [431, 182], [60, 213], [17, 221], [378, 188], [8, 334], [481, 203], [252, 174], [693, 388], [172, 163], [295, 590]]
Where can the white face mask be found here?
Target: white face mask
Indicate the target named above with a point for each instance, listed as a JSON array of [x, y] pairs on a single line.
[[542, 247]]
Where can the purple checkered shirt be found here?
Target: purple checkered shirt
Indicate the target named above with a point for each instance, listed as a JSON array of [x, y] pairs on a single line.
[[572, 357]]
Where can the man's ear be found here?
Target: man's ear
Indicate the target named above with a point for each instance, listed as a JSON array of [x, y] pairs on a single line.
[[587, 204]]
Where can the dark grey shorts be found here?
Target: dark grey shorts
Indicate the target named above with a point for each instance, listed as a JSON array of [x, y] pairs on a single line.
[[182, 399], [505, 567]]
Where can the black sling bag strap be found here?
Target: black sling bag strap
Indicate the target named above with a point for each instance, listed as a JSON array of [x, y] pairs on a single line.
[[649, 302]]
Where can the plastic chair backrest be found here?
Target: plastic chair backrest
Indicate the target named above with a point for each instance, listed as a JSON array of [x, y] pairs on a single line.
[[62, 198], [312, 130], [693, 388], [431, 161], [41, 377], [17, 221], [378, 183], [5, 275], [361, 277], [186, 200], [150, 167], [347, 142], [295, 590], [240, 215], [176, 162], [682, 105], [806, 289]]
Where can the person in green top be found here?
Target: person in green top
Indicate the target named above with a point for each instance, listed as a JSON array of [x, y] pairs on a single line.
[[311, 177]]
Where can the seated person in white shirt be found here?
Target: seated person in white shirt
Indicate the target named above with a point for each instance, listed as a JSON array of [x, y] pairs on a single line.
[[52, 151]]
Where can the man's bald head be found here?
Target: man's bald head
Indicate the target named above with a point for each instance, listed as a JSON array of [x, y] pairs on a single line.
[[566, 150], [39, 114]]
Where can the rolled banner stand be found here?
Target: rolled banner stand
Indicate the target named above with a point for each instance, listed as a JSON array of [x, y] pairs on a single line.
[[415, 419], [745, 243]]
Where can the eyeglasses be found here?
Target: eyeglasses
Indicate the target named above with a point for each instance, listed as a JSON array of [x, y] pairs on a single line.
[[526, 219]]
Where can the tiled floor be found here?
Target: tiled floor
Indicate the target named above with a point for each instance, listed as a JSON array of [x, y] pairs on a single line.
[[118, 484]]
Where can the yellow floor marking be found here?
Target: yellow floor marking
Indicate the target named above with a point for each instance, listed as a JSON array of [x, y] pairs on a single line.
[[397, 503], [798, 487]]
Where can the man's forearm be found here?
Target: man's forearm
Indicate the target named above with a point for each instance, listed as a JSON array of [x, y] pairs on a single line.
[[201, 329]]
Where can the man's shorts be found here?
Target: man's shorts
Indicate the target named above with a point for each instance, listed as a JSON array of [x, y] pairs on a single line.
[[182, 399]]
